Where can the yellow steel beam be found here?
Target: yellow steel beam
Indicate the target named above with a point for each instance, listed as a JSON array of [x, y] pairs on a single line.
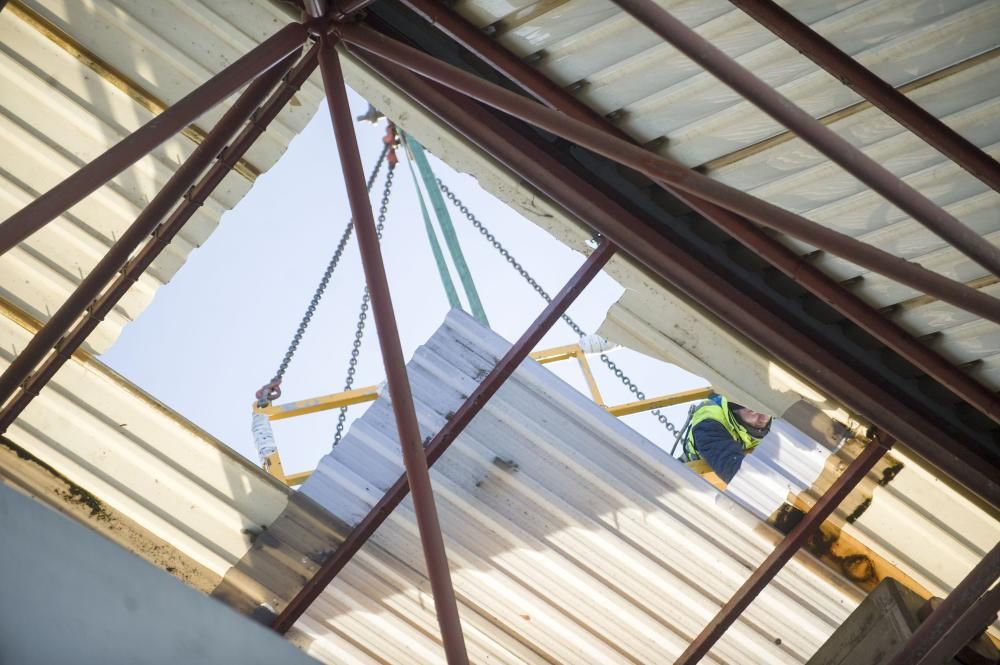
[[581, 358], [324, 403], [557, 353], [272, 465], [702, 468], [658, 402], [297, 478]]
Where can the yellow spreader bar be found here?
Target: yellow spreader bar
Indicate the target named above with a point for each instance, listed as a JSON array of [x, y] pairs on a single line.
[[370, 394], [658, 402], [317, 404]]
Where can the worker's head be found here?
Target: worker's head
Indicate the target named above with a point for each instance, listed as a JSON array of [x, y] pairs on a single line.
[[756, 423]]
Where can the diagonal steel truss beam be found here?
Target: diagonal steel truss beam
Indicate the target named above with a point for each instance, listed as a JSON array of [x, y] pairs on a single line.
[[790, 263], [139, 143], [414, 459], [785, 550], [161, 237], [663, 170], [813, 132]]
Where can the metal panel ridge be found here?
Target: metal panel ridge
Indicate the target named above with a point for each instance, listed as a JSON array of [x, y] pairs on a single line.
[[570, 537], [97, 448], [76, 79]]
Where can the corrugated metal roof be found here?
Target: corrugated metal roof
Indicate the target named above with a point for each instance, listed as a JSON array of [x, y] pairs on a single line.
[[160, 486], [902, 518], [108, 437], [78, 77], [942, 54], [912, 507], [571, 538]]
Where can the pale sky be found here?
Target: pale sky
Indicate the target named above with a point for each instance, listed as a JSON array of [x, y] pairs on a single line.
[[218, 330]]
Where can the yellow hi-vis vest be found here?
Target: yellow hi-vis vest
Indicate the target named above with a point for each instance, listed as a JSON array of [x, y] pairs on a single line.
[[718, 409]]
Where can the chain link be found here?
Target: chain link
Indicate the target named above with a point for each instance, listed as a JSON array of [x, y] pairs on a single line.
[[359, 333], [540, 291], [639, 395], [504, 253], [271, 390]]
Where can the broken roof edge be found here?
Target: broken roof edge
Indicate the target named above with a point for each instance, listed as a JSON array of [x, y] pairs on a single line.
[[92, 362], [464, 157], [98, 448]]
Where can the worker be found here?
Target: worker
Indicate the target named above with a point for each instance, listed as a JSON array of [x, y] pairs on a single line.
[[722, 433]]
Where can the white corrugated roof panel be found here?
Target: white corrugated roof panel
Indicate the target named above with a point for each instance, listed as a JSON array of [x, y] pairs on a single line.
[[571, 538], [942, 55], [108, 437], [913, 507], [75, 78], [160, 486]]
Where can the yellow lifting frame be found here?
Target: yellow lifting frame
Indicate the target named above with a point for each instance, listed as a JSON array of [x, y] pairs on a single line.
[[370, 393], [565, 353], [317, 404]]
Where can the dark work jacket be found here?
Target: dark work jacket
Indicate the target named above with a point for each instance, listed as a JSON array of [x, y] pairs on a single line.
[[718, 448]]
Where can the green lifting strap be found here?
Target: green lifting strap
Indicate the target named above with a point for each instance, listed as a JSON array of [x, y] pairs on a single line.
[[449, 286], [447, 230]]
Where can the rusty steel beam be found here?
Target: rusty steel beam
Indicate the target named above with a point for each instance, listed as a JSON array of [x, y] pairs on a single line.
[[950, 612], [342, 9], [666, 171], [315, 8], [813, 132], [414, 459], [971, 624], [810, 359], [785, 550], [851, 306], [99, 277], [161, 237], [139, 143], [882, 95], [531, 81], [780, 256], [443, 439]]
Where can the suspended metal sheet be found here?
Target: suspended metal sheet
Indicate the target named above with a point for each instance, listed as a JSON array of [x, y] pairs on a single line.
[[571, 538], [75, 78]]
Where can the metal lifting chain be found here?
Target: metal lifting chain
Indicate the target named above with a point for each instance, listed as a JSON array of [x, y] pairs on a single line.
[[540, 291], [359, 333], [271, 390]]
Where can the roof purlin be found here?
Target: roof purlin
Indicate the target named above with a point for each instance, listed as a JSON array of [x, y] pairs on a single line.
[[779, 298]]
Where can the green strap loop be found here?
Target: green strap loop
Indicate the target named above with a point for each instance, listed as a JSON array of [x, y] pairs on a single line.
[[449, 286], [448, 230]]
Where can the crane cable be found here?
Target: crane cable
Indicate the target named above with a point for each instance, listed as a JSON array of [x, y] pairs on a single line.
[[497, 245], [271, 390], [359, 332], [446, 281]]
